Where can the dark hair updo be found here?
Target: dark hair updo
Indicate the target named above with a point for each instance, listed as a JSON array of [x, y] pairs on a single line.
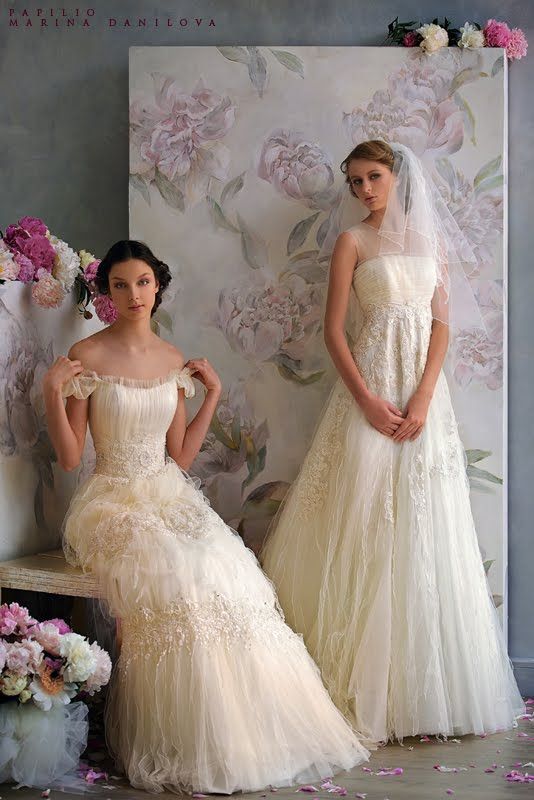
[[373, 150], [124, 251]]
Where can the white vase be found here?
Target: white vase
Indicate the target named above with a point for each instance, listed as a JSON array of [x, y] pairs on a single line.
[[39, 748]]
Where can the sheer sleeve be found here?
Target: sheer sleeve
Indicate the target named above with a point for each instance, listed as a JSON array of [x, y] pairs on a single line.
[[81, 386], [185, 382]]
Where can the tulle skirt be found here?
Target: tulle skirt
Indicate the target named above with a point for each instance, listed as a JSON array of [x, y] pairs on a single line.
[[375, 560], [43, 748], [212, 691]]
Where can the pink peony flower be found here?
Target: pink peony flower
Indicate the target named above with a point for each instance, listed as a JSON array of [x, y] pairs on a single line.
[[48, 636], [91, 270], [517, 45], [47, 292], [17, 658], [15, 619], [105, 309], [60, 624], [33, 225], [410, 39], [497, 33], [15, 236], [40, 252], [26, 268]]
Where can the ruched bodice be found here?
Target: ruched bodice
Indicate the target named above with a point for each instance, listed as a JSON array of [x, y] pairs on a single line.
[[395, 279], [129, 419], [395, 295]]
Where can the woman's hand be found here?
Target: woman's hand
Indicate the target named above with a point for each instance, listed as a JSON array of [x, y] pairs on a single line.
[[62, 370], [382, 415], [202, 370], [414, 419]]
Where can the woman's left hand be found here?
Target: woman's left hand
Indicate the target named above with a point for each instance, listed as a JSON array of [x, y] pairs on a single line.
[[414, 418], [202, 370]]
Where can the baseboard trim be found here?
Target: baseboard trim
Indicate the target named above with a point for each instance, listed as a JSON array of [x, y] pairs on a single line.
[[524, 675]]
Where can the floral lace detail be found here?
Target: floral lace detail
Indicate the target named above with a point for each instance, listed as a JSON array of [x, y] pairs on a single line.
[[186, 623], [387, 499], [450, 461], [313, 479], [191, 521], [140, 455], [416, 486], [392, 348]]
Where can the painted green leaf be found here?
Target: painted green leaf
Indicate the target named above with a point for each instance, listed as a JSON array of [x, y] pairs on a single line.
[[220, 434], [140, 186], [473, 456], [482, 474], [253, 248], [498, 600], [469, 117], [289, 61], [467, 75], [235, 54], [255, 463], [232, 188], [490, 183], [298, 235], [487, 564], [236, 429], [322, 230], [218, 216], [498, 66], [303, 380], [263, 501], [488, 170], [172, 195], [257, 69]]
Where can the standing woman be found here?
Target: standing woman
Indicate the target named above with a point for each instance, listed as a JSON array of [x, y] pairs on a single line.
[[212, 691], [374, 553]]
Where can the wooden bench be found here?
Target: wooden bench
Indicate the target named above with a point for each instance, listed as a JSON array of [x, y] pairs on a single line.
[[46, 572]]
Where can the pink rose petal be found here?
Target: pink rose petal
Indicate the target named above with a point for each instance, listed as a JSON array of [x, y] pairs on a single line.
[[308, 789], [449, 791], [391, 771], [425, 739]]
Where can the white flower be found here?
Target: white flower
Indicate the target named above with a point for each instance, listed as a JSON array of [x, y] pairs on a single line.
[[81, 661], [12, 683], [86, 258], [434, 37], [472, 38], [45, 700], [66, 265], [9, 269]]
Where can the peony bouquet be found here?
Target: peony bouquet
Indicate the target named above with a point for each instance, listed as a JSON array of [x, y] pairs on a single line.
[[432, 36], [45, 663], [29, 253]]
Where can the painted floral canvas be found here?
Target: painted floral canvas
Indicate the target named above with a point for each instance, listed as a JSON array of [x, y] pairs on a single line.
[[235, 181]]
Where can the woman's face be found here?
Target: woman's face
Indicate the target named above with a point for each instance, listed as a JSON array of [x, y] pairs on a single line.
[[370, 182], [133, 288]]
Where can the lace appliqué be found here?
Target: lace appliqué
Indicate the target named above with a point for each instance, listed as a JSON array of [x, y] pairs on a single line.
[[313, 479], [138, 456], [392, 348], [186, 623], [416, 486], [450, 462], [191, 521]]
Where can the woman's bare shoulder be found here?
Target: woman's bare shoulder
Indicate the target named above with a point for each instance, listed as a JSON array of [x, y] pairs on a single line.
[[89, 350]]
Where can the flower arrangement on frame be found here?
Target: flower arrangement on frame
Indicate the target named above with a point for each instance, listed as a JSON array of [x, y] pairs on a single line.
[[432, 36]]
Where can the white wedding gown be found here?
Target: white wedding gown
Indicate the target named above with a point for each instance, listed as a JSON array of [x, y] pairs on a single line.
[[374, 553], [212, 691]]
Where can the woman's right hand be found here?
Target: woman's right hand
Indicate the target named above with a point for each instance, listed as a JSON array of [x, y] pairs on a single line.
[[62, 370], [384, 416]]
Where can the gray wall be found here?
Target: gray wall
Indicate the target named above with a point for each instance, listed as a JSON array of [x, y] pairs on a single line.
[[64, 156]]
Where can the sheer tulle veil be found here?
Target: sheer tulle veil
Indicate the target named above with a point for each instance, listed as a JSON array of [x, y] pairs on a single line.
[[418, 223]]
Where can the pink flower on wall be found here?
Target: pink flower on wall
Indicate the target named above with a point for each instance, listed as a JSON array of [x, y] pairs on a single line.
[[419, 107], [297, 167], [175, 139]]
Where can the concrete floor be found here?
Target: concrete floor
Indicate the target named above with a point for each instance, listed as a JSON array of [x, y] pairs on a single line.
[[419, 780]]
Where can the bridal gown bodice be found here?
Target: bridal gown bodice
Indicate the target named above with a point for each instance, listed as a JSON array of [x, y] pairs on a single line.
[[394, 293], [129, 427]]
